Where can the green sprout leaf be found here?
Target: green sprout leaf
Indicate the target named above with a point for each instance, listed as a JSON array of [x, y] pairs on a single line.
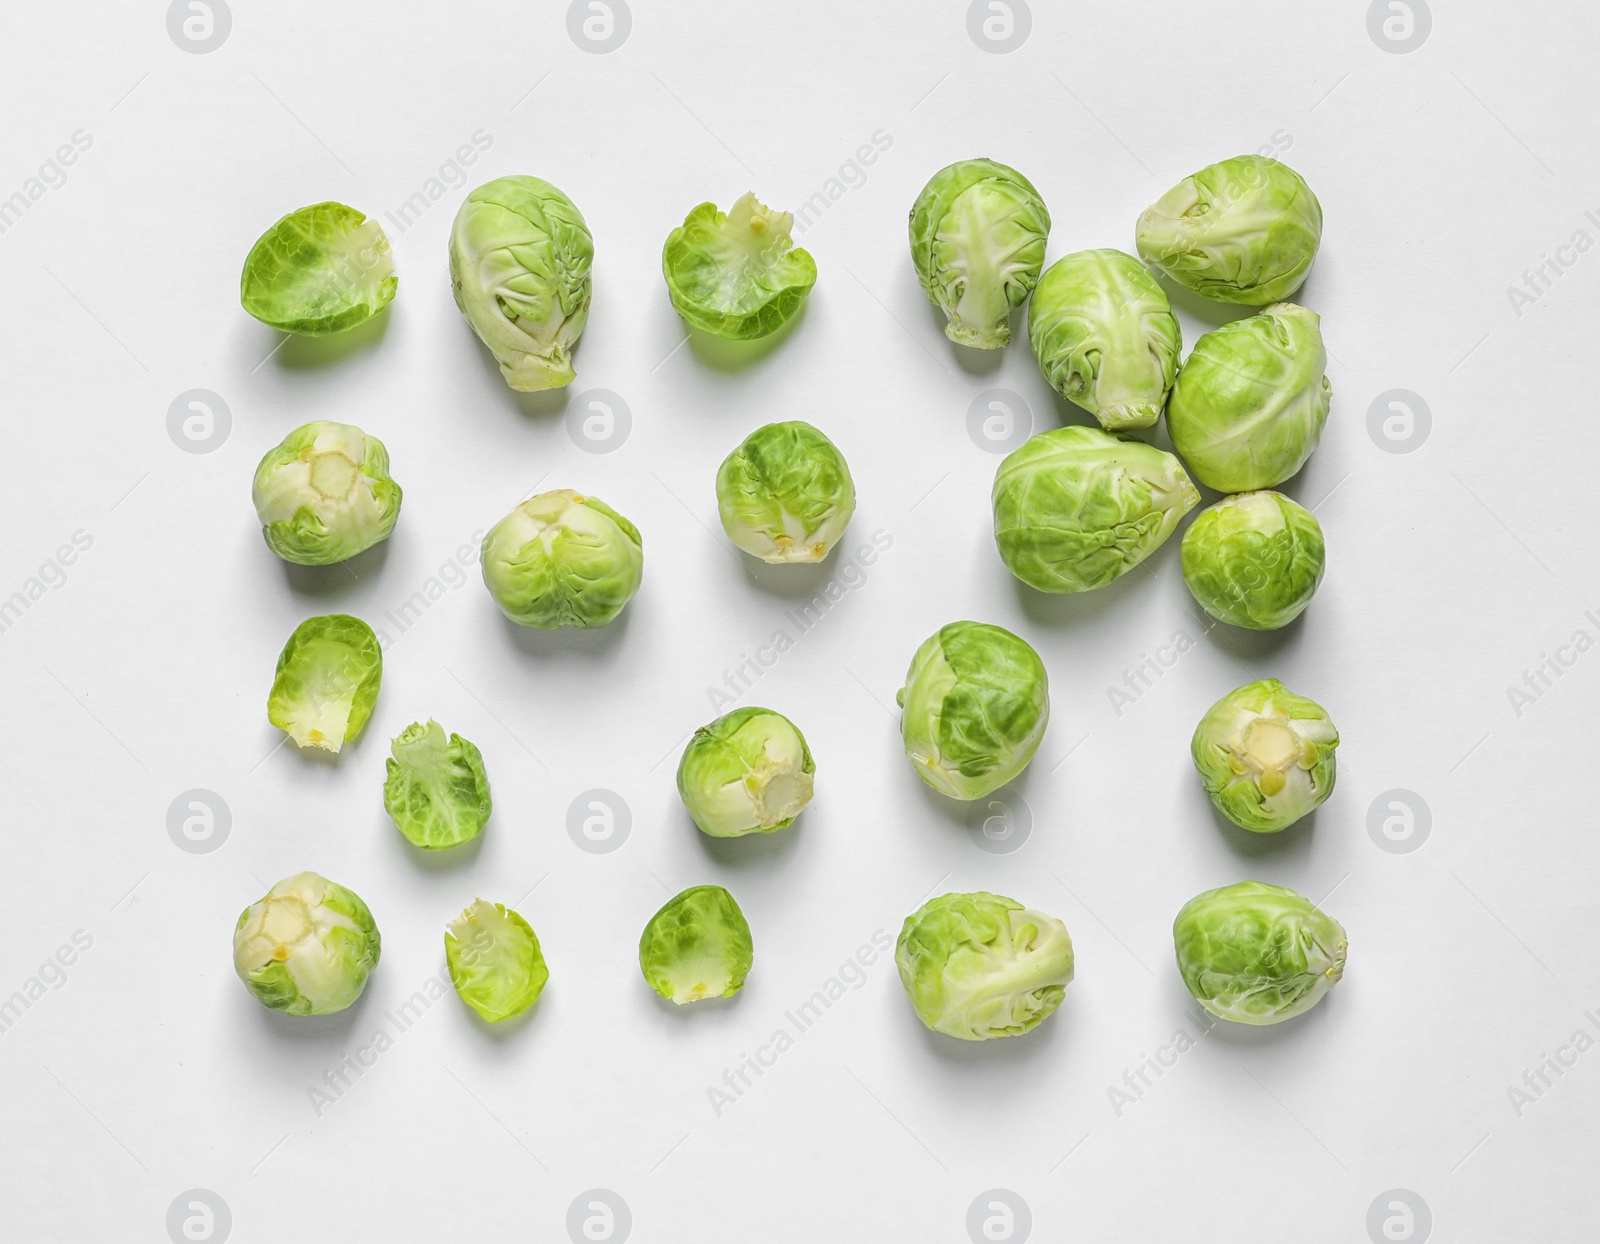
[[436, 791], [327, 681], [320, 270], [785, 495], [698, 946], [737, 274], [495, 961]]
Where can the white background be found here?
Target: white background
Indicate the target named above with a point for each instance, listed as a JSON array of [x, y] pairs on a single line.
[[1444, 173]]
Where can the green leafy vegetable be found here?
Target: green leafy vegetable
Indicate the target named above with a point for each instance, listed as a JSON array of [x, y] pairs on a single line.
[[495, 961], [306, 948], [325, 494], [327, 681], [320, 270], [698, 946], [436, 791], [737, 274]]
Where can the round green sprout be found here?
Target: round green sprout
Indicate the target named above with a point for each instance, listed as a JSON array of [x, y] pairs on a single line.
[[1105, 337], [320, 270], [327, 681], [974, 708], [785, 495], [1243, 231], [1257, 953], [737, 274], [1076, 507], [749, 772], [1265, 755], [978, 966], [1254, 560], [520, 255], [495, 961], [436, 790], [696, 947], [307, 948], [562, 559], [325, 494], [1248, 407], [978, 232]]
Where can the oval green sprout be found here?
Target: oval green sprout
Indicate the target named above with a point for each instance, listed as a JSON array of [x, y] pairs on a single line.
[[978, 232], [737, 274], [979, 966], [520, 255], [1105, 337], [436, 790], [696, 947], [785, 495], [325, 494], [562, 559], [1265, 755], [307, 947], [749, 772], [1248, 407], [326, 682], [320, 270], [495, 961], [1254, 560], [1076, 507], [1257, 953], [1243, 231]]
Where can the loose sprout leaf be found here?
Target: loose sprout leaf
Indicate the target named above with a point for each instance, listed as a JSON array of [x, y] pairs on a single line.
[[749, 772], [495, 961], [320, 270], [698, 946], [325, 494], [562, 559], [327, 681], [737, 274], [307, 947], [436, 790]]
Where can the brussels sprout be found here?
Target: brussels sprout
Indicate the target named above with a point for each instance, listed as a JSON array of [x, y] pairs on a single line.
[[785, 495], [495, 961], [1243, 231], [734, 273], [1265, 755], [318, 271], [307, 948], [1105, 337], [974, 708], [1254, 560], [562, 559], [1249, 404], [520, 255], [327, 681], [749, 772], [697, 946], [1257, 953], [436, 791], [977, 966], [1075, 507], [325, 494], [978, 231]]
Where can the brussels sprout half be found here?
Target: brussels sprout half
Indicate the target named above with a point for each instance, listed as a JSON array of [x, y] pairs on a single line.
[[320, 270], [307, 947], [736, 274], [327, 681], [749, 772], [436, 790], [325, 494], [785, 495], [1265, 755], [1254, 560], [562, 559], [698, 946], [494, 960]]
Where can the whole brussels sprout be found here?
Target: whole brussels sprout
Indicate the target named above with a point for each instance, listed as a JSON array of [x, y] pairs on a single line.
[[1257, 953], [494, 960], [1265, 755], [977, 966], [698, 946], [1076, 507], [562, 559], [1243, 231], [325, 494], [306, 948], [974, 708], [1254, 560], [320, 270], [785, 495], [978, 232], [749, 772], [520, 255], [736, 274], [1105, 337], [326, 682], [436, 790], [1249, 404]]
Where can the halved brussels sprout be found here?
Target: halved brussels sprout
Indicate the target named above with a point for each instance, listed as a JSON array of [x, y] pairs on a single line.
[[307, 947], [974, 708], [1249, 404], [978, 966], [320, 270], [1265, 755], [1254, 560], [785, 495], [495, 961], [1076, 507], [1257, 953], [736, 274], [327, 681], [562, 559], [749, 772], [520, 255], [436, 790], [325, 494], [1105, 337], [1242, 231], [978, 232], [696, 947]]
